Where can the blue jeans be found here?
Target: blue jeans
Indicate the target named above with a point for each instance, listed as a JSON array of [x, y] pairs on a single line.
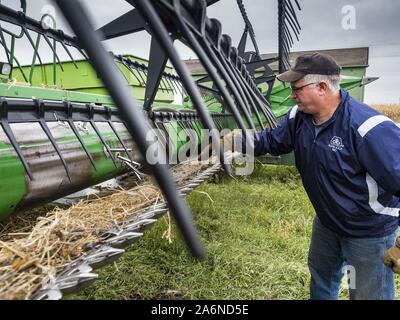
[[362, 258]]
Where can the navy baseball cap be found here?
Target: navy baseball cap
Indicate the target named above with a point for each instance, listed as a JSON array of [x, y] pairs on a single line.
[[310, 63]]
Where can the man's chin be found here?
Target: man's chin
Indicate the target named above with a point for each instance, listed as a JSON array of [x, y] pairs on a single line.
[[302, 108]]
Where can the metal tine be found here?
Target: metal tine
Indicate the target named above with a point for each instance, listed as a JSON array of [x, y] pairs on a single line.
[[126, 65], [267, 112], [171, 84], [298, 6], [69, 54], [102, 256], [224, 70], [119, 139], [284, 42], [54, 51], [188, 129], [245, 89], [140, 81], [137, 124], [162, 36], [103, 142], [8, 131], [83, 53], [168, 83], [179, 86], [124, 239], [162, 86], [144, 70], [287, 63], [26, 32], [141, 225], [168, 79], [155, 213], [192, 130], [163, 137], [286, 51], [79, 278], [133, 162], [174, 81], [134, 170], [207, 64], [75, 131], [185, 92], [140, 75], [287, 15], [163, 82], [236, 79], [287, 34], [50, 294], [192, 135], [43, 124], [260, 103], [290, 14], [292, 25], [3, 40], [72, 125], [293, 13], [180, 122], [165, 141]]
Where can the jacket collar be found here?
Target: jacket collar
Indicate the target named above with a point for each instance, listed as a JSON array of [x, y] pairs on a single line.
[[344, 95]]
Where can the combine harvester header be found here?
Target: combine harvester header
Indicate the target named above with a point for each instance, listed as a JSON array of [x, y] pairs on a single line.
[[54, 142]]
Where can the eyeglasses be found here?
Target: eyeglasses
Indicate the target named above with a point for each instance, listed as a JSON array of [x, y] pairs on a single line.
[[298, 89]]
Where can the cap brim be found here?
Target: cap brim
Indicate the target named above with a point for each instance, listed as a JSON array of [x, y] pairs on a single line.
[[290, 76]]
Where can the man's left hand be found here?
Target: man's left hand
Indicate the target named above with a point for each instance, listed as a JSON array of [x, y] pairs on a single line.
[[391, 257]]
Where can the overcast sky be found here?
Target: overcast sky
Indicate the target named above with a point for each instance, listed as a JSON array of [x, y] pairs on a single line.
[[325, 25]]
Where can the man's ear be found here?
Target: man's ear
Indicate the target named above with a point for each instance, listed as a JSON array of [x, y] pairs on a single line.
[[324, 87]]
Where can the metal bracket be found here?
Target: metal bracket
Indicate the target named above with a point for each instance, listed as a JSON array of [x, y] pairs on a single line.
[[133, 165]]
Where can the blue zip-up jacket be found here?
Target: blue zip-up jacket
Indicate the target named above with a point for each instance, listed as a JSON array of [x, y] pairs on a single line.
[[350, 170]]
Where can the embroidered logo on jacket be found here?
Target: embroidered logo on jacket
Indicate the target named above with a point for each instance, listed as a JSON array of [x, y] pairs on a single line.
[[336, 144]]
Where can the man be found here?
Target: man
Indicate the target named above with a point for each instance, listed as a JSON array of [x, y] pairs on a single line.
[[348, 156]]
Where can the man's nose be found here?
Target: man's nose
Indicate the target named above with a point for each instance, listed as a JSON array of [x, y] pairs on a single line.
[[293, 95]]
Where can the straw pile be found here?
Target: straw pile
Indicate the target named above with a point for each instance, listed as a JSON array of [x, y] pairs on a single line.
[[36, 250]]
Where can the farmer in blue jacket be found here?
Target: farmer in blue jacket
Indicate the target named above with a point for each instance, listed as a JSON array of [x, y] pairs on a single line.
[[348, 156]]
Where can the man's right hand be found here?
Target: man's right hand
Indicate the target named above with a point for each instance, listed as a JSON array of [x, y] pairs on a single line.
[[391, 257]]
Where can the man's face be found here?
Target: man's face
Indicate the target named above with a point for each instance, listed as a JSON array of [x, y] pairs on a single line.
[[307, 95]]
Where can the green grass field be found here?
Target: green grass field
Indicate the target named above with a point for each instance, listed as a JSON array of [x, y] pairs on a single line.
[[256, 230]]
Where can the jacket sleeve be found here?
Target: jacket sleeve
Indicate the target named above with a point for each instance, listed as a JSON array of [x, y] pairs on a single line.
[[379, 153], [276, 141]]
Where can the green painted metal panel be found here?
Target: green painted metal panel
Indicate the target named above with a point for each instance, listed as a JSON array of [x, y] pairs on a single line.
[[22, 91], [12, 173], [85, 79]]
